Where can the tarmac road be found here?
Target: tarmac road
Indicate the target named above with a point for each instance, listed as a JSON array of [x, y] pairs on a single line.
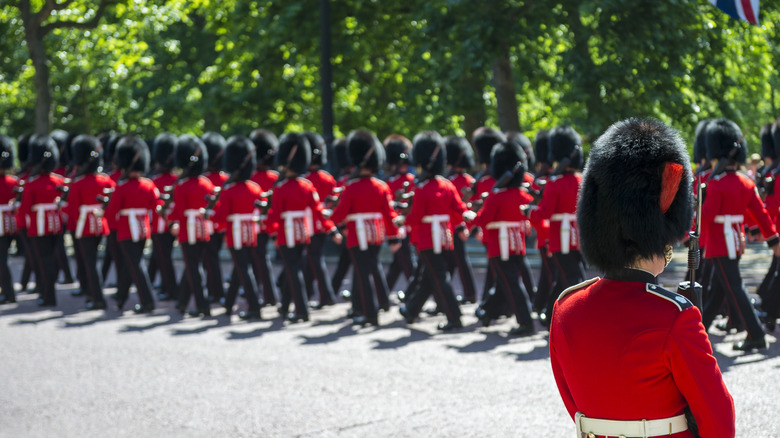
[[71, 373]]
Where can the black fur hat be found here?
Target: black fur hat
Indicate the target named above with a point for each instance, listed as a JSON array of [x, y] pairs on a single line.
[[62, 138], [110, 155], [542, 147], [636, 194], [164, 150], [525, 143], [365, 150], [398, 149], [6, 152], [505, 157], [484, 139], [430, 152], [215, 146], [266, 145], [767, 144], [86, 153], [776, 136], [132, 154], [699, 143], [319, 149], [294, 152], [23, 149], [239, 158], [43, 154], [191, 155], [340, 152], [459, 152], [565, 143], [725, 140]]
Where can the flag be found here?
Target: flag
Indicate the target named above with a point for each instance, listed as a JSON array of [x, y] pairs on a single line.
[[746, 10]]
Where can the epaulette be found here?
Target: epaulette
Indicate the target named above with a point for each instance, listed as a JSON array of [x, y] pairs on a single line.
[[577, 287], [554, 178], [227, 186], [678, 300], [423, 183], [718, 176]]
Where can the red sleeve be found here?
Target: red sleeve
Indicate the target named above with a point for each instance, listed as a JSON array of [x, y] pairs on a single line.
[[343, 208], [457, 204], [546, 207], [316, 209], [560, 378], [112, 210], [388, 213], [486, 213], [756, 208], [177, 210]]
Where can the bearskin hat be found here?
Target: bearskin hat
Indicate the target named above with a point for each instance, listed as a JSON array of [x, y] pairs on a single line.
[[542, 147], [484, 139], [164, 150], [776, 136], [191, 155], [62, 138], [699, 143], [215, 146], [6, 152], [110, 155], [459, 152], [767, 144], [86, 153], [23, 148], [510, 157], [319, 149], [132, 154], [239, 158], [340, 152], [725, 141], [636, 194], [43, 153], [266, 145], [430, 152], [294, 152], [398, 149], [365, 150], [565, 143], [525, 143]]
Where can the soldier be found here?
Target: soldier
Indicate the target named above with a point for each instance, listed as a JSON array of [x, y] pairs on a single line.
[[23, 240], [399, 157], [366, 207], [63, 139], [215, 146], [730, 196], [558, 205], [163, 156], [112, 253], [435, 202], [542, 173], [344, 173], [128, 209], [189, 219], [8, 228], [652, 362], [236, 213], [86, 223]]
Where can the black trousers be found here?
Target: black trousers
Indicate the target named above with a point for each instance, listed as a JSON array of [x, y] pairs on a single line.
[[342, 267], [726, 284], [435, 279], [129, 259], [162, 248], [214, 282], [112, 252], [86, 257], [763, 288], [315, 270], [62, 259], [466, 273], [45, 265], [192, 280], [567, 271], [364, 293], [402, 263], [242, 274], [292, 280], [507, 274], [544, 286], [6, 282], [29, 257], [261, 265]]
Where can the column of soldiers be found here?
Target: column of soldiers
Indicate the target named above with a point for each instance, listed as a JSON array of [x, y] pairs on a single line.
[[245, 192]]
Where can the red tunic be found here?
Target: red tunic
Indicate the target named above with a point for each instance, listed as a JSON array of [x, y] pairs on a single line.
[[484, 185], [435, 201], [559, 205], [218, 179], [730, 197], [396, 183], [129, 208], [503, 222], [39, 205], [188, 208], [82, 205], [294, 209], [236, 213], [162, 182], [7, 198], [366, 206], [324, 184], [628, 350], [265, 179]]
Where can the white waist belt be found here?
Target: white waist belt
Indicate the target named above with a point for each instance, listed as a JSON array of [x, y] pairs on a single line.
[[437, 233], [289, 224], [360, 226], [132, 220], [637, 428], [84, 212], [3, 209], [192, 215], [40, 215], [566, 219], [732, 238], [237, 219], [503, 235]]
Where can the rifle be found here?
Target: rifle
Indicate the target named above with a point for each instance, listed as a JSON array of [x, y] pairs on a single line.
[[167, 197], [691, 289], [64, 192], [105, 198], [264, 204]]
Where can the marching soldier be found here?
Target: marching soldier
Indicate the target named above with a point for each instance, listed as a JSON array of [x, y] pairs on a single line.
[[63, 140], [399, 157], [344, 172], [8, 228], [163, 155], [23, 174], [542, 173], [215, 146], [112, 253], [630, 358]]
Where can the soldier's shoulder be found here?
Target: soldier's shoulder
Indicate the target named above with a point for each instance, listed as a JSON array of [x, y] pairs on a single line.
[[578, 287], [678, 300]]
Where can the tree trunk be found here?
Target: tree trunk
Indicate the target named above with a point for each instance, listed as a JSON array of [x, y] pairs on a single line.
[[473, 104], [37, 49], [506, 98]]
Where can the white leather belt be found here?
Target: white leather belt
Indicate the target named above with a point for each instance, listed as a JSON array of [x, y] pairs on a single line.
[[566, 219], [503, 235], [132, 221], [289, 224], [437, 231], [590, 427], [7, 208], [193, 215], [237, 220], [732, 237], [360, 226], [40, 215], [84, 212]]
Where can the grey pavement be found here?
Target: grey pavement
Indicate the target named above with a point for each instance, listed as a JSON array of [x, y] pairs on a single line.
[[71, 373]]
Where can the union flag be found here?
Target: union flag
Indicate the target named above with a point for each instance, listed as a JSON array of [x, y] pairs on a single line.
[[746, 10]]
